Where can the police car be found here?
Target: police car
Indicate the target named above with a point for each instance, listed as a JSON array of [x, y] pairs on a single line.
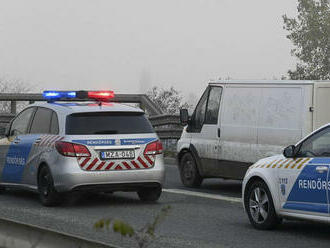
[[60, 146], [293, 185]]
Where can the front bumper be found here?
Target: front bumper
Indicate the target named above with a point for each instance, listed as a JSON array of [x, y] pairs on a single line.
[[69, 177]]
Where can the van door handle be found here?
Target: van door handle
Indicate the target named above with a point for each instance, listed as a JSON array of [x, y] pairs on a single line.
[[219, 132], [321, 169]]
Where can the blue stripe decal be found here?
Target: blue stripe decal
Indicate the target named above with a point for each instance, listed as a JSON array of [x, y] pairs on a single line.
[[319, 208], [16, 159], [309, 192], [136, 141], [114, 142], [320, 161], [97, 142]]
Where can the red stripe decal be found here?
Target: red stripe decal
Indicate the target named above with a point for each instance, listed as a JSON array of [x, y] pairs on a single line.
[[118, 167], [92, 164], [109, 166], [100, 166], [142, 162], [127, 165], [149, 160], [84, 162], [135, 165]]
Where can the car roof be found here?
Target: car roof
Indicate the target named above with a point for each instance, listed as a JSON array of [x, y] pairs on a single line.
[[81, 107], [284, 82]]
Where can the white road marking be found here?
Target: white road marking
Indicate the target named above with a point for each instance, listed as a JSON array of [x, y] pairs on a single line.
[[203, 195]]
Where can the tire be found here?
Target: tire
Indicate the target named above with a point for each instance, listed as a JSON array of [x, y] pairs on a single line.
[[150, 194], [259, 206], [189, 173], [47, 194]]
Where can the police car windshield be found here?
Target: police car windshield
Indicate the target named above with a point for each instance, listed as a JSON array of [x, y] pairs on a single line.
[[107, 123]]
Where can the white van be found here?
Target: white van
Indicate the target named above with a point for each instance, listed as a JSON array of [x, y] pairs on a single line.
[[236, 123]]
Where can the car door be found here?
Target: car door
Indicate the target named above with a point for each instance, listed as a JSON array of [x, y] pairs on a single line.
[[17, 153], [41, 131], [304, 180], [205, 131]]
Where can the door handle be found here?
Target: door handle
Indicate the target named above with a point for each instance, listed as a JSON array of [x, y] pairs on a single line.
[[321, 169], [219, 132], [37, 141]]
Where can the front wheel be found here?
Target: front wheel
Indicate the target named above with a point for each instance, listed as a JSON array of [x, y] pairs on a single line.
[[189, 173], [47, 193], [150, 194], [260, 207]]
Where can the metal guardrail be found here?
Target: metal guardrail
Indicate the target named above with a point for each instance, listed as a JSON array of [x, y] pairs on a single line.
[[167, 126], [143, 100]]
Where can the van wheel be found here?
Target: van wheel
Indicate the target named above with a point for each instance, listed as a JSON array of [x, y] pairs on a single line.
[[47, 193], [190, 176], [150, 194], [260, 207]]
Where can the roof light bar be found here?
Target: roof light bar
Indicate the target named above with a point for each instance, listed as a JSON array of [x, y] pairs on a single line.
[[55, 95], [63, 95]]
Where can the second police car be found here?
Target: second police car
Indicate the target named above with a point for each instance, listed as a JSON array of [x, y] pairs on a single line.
[[58, 147], [293, 185]]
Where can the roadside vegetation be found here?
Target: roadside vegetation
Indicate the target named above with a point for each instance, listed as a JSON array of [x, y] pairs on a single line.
[[143, 236]]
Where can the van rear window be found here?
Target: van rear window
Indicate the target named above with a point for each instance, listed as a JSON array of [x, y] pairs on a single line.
[[107, 123]]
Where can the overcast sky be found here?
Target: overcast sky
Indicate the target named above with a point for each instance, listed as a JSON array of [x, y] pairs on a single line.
[[108, 44]]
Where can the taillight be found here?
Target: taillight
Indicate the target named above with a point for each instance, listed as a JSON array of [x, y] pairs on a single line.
[[72, 150], [154, 148]]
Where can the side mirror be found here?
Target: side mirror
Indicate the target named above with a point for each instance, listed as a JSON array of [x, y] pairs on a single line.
[[289, 151], [184, 116]]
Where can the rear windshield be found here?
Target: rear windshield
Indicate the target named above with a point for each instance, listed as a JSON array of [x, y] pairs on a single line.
[[107, 123]]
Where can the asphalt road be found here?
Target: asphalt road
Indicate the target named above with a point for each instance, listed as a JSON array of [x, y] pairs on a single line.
[[195, 220]]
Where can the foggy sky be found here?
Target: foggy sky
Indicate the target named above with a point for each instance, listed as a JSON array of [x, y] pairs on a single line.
[[106, 44]]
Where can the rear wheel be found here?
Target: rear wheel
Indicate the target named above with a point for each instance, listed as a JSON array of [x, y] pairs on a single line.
[[189, 173], [260, 207], [47, 193], [150, 194]]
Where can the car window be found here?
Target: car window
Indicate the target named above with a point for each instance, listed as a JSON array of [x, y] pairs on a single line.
[[41, 121], [198, 116], [107, 123], [213, 104], [318, 145], [21, 123], [54, 124]]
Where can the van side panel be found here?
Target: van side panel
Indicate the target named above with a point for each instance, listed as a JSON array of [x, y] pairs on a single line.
[[260, 120], [321, 104], [280, 119], [239, 123]]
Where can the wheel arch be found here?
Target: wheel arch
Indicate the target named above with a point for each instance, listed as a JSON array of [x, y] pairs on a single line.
[[192, 149], [271, 187]]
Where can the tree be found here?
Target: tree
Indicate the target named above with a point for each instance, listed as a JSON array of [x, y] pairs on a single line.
[[169, 100], [13, 86], [310, 34]]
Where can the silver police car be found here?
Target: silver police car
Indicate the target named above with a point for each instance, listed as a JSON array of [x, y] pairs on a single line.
[[99, 146]]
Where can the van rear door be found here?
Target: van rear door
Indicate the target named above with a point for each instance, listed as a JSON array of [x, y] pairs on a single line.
[[321, 115]]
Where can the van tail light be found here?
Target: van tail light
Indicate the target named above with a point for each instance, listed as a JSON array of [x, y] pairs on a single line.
[[68, 149], [154, 148]]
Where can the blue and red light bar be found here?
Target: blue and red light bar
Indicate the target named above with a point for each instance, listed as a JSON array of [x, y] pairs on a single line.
[[71, 95]]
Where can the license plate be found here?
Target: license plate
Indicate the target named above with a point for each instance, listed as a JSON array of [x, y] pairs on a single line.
[[118, 154]]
